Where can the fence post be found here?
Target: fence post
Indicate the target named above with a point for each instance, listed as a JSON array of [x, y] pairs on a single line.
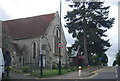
[[41, 69]]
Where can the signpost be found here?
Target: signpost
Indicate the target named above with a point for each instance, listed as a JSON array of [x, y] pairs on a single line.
[[60, 46]]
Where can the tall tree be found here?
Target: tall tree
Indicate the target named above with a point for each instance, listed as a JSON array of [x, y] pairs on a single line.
[[88, 22], [118, 58], [114, 63]]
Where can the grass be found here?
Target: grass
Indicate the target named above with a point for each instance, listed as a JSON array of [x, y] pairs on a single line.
[[48, 72], [84, 67], [72, 69], [51, 72], [6, 78]]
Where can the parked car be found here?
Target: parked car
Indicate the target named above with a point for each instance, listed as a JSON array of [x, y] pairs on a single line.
[[1, 65]]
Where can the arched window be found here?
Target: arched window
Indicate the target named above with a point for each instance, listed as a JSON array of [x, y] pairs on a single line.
[[34, 50], [56, 40]]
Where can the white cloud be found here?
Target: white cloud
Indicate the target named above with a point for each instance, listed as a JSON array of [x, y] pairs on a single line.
[[3, 14], [113, 32], [111, 58], [24, 8], [112, 2]]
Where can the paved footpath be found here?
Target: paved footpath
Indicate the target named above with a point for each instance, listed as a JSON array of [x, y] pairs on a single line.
[[71, 75], [74, 75]]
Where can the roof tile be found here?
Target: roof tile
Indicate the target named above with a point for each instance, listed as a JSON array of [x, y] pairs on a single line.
[[29, 27]]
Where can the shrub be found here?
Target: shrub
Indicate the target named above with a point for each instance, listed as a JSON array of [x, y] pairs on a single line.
[[73, 69], [10, 68], [55, 65], [26, 69]]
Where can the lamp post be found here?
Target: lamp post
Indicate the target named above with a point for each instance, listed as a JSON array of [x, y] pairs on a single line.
[[41, 56]]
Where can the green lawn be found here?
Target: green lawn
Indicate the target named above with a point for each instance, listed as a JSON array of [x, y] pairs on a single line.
[[46, 72]]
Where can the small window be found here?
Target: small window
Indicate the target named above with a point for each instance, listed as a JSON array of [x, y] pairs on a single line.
[[20, 59], [56, 41], [34, 50]]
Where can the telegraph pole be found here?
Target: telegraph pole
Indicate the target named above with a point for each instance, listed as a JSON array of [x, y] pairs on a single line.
[[60, 40]]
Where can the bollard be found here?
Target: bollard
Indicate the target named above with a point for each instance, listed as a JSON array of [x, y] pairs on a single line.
[[79, 71], [89, 66]]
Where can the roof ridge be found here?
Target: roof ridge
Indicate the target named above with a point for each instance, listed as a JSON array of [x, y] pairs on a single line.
[[30, 17]]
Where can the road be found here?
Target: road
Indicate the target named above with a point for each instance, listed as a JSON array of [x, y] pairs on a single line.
[[112, 73], [106, 73], [103, 74], [118, 72]]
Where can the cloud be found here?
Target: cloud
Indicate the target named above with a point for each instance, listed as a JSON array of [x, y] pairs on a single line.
[[69, 38], [112, 2], [25, 8], [111, 58], [3, 15]]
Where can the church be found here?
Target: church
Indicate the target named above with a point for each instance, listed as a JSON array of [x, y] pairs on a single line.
[[35, 36]]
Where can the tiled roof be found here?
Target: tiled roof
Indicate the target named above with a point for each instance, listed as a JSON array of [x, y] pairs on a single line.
[[29, 27]]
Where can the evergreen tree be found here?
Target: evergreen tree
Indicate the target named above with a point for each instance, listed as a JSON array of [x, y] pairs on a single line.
[[118, 58], [114, 62], [88, 22]]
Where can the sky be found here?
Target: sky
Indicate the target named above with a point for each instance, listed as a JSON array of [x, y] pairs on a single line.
[[14, 9]]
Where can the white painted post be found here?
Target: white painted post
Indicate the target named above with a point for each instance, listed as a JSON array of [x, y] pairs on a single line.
[[79, 71]]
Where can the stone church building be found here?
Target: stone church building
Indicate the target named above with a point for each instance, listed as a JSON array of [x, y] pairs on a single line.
[[34, 36]]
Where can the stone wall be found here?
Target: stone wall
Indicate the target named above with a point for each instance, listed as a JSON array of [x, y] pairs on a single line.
[[50, 35], [26, 46]]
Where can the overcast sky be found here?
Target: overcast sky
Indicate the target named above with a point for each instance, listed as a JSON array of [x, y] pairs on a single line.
[[12, 9]]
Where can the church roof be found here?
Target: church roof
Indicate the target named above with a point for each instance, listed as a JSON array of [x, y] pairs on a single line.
[[29, 27]]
